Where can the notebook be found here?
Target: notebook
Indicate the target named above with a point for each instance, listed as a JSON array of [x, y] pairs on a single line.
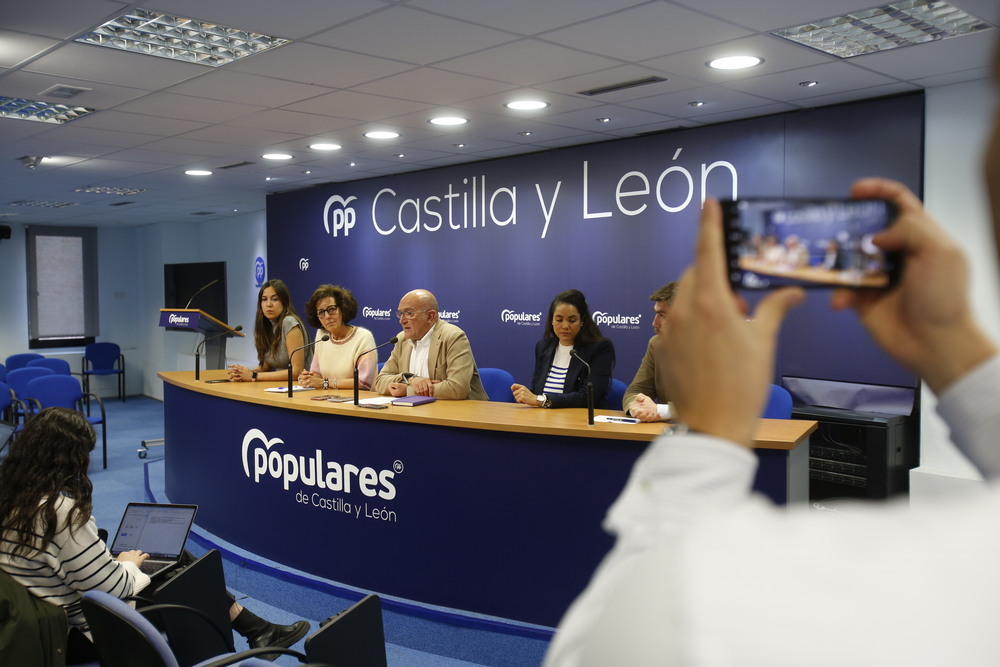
[[410, 401], [158, 529]]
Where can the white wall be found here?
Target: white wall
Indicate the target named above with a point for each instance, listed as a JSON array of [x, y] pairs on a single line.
[[957, 123]]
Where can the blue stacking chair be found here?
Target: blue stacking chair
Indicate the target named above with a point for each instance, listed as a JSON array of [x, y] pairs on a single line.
[[497, 382], [10, 409], [779, 404], [58, 366], [63, 391], [615, 394], [104, 359], [21, 360], [3, 373], [124, 637], [18, 380]]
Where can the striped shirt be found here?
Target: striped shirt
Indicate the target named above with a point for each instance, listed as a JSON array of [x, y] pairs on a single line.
[[71, 565], [555, 383]]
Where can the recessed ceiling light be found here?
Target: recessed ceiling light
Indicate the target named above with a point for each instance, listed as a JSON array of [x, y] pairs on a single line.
[[382, 134], [178, 38], [696, 104], [448, 120], [526, 105], [525, 134], [276, 156], [808, 84], [352, 164], [735, 62], [198, 172], [267, 178], [603, 120], [889, 26], [325, 147], [43, 112], [459, 145], [400, 155]]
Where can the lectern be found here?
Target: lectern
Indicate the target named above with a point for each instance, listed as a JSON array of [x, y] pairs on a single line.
[[215, 331]]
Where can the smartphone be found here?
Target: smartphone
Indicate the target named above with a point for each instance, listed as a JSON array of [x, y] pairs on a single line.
[[216, 381], [808, 242], [374, 406]]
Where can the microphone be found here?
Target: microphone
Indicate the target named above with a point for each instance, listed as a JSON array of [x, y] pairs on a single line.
[[391, 341], [590, 387], [205, 287], [325, 338], [197, 350]]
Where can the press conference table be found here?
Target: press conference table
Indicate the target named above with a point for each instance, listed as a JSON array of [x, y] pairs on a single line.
[[493, 508]]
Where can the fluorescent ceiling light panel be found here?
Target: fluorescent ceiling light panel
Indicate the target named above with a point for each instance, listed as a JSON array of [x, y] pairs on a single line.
[[178, 38], [886, 27], [44, 112], [108, 190]]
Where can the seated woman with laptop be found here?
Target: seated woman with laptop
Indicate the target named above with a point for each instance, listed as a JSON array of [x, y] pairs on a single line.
[[49, 541]]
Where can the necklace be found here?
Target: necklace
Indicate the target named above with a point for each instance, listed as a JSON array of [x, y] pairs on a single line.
[[341, 341]]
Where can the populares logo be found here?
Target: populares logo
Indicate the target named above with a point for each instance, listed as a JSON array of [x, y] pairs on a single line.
[[178, 319], [262, 460], [377, 313], [339, 215], [617, 321], [521, 318]]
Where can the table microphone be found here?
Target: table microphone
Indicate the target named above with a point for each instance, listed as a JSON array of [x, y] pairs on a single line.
[[325, 338], [391, 341], [197, 350], [590, 387]]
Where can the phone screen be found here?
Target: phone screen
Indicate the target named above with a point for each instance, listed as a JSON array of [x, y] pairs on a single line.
[[811, 243]]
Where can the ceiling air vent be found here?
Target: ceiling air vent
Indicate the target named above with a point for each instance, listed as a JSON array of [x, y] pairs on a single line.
[[235, 164], [624, 85], [64, 92]]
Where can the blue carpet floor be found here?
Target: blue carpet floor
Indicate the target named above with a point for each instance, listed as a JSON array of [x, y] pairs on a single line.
[[416, 636]]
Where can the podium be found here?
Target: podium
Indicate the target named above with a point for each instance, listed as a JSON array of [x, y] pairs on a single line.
[[198, 321]]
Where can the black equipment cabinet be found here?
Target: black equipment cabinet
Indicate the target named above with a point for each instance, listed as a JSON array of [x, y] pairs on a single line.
[[860, 454]]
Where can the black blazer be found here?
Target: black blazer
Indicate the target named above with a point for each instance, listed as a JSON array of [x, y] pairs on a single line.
[[600, 355]]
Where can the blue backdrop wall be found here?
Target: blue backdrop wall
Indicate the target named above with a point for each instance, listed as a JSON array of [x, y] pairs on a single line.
[[496, 240]]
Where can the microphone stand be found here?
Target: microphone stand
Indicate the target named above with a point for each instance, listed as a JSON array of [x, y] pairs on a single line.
[[391, 341], [325, 338], [205, 287], [197, 350], [590, 388]]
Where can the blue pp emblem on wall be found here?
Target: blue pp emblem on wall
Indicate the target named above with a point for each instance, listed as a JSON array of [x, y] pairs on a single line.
[[259, 271]]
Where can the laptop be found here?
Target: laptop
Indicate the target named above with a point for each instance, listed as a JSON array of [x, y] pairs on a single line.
[[158, 529]]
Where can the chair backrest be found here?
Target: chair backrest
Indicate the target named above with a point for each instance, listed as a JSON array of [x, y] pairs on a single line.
[[497, 382], [353, 638], [21, 360], [19, 378], [200, 585], [3, 372], [122, 637], [615, 394], [55, 391], [779, 404], [101, 356], [60, 366]]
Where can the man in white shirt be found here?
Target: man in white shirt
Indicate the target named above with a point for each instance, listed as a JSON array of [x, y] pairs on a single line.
[[431, 358], [704, 574]]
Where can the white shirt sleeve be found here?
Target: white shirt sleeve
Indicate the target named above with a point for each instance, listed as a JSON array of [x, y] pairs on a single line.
[[971, 408]]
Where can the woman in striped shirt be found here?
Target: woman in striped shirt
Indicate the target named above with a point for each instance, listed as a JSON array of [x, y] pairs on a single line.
[[49, 541]]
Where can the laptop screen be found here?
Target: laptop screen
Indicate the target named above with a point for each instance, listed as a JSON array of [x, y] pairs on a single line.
[[157, 529]]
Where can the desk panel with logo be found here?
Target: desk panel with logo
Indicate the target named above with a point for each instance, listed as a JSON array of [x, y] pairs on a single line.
[[486, 507]]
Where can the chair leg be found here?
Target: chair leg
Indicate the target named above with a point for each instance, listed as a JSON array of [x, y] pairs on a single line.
[[104, 442]]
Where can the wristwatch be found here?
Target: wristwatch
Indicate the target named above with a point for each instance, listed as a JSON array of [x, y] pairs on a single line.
[[546, 403], [326, 383], [253, 376]]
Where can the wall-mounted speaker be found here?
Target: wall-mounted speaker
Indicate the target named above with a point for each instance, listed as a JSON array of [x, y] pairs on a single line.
[[4, 232]]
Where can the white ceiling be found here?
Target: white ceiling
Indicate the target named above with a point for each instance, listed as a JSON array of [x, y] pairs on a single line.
[[356, 65]]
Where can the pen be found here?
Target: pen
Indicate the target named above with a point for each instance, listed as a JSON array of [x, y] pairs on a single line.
[[622, 420]]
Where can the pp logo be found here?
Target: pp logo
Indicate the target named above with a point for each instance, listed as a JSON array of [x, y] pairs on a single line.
[[304, 264], [342, 215], [259, 271]]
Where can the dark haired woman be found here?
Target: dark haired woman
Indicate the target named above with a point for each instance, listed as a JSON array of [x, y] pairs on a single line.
[[276, 330], [49, 541], [330, 309], [560, 379]]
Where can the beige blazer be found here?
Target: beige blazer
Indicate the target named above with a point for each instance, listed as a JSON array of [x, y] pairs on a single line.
[[449, 361]]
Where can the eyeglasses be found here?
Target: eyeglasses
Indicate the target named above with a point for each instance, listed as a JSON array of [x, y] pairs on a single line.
[[407, 314], [329, 312]]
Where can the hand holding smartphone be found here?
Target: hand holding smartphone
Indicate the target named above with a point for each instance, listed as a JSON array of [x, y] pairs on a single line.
[[772, 242]]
